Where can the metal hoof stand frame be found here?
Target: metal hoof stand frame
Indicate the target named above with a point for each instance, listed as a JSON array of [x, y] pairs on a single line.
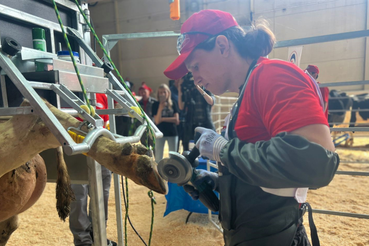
[[59, 80]]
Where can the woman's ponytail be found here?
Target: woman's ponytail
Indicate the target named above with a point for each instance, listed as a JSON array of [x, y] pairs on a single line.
[[259, 41]]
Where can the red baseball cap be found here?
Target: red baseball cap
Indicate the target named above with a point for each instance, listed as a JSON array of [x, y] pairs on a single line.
[[312, 69], [145, 87], [195, 30]]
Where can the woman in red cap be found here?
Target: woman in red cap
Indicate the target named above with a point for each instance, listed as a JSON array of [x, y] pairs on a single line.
[[277, 143]]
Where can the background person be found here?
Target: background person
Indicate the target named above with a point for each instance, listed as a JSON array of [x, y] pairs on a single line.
[[166, 117], [146, 103], [124, 124], [314, 72], [277, 141], [173, 86], [196, 104], [79, 219], [130, 85]]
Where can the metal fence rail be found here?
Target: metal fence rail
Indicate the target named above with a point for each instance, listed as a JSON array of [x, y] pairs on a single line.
[[345, 214], [352, 173], [220, 110]]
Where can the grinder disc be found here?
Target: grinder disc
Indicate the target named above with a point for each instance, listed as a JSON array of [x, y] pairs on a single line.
[[176, 169]]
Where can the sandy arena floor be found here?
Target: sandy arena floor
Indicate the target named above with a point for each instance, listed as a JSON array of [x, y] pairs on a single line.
[[41, 226]]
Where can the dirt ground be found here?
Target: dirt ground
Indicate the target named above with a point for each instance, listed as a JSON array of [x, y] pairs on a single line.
[[41, 226]]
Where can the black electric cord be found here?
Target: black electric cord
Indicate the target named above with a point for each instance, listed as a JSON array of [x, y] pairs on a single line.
[[129, 220]]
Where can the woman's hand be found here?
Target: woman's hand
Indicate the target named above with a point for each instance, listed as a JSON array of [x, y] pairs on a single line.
[[157, 117], [210, 143], [205, 95], [200, 89]]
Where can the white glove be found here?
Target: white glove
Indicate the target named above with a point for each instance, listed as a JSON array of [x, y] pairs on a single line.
[[210, 143]]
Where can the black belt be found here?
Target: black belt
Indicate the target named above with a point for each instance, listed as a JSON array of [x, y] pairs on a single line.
[[313, 231]]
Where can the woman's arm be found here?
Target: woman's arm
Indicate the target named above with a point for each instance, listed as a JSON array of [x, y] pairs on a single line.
[[209, 99], [285, 161], [157, 119], [157, 116], [317, 133], [174, 119]]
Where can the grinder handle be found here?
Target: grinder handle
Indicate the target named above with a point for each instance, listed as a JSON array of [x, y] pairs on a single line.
[[191, 157], [206, 194]]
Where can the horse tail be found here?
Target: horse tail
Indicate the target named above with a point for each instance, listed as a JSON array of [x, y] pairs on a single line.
[[64, 192]]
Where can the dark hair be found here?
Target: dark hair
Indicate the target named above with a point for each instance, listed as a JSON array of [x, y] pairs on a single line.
[[259, 41]]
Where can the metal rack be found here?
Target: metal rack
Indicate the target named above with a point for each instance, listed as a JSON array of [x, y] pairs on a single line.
[[59, 78]]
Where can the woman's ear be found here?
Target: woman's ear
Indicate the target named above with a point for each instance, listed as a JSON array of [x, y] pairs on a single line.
[[223, 45]]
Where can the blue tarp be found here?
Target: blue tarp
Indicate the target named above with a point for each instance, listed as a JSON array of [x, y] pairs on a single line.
[[178, 199]]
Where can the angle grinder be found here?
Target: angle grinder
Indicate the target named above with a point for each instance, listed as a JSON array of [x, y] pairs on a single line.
[[181, 170]]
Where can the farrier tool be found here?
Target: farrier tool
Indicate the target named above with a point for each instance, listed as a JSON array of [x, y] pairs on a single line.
[[181, 170]]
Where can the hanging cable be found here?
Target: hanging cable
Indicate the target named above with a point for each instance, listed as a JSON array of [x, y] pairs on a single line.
[[126, 215], [153, 202], [72, 57], [129, 219]]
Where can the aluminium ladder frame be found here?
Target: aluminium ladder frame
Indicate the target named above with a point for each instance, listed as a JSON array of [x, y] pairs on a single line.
[[70, 147]]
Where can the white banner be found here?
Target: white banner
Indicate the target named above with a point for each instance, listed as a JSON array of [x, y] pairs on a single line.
[[294, 54]]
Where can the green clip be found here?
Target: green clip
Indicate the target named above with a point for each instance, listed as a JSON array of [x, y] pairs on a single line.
[[151, 195]]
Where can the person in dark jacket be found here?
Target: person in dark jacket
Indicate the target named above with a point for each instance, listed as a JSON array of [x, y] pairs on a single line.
[[146, 103], [277, 142], [80, 218], [197, 104]]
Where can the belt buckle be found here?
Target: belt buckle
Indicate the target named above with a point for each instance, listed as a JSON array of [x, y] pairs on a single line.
[[303, 209]]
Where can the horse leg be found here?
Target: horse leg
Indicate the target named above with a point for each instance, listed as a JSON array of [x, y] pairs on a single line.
[[7, 227]]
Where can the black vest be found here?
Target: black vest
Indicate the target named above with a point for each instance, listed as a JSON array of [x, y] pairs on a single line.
[[250, 216]]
